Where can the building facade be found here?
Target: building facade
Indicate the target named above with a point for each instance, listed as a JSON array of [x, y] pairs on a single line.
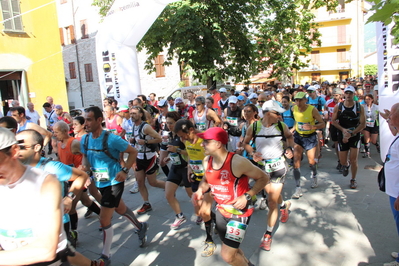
[[78, 23], [31, 65], [341, 53]]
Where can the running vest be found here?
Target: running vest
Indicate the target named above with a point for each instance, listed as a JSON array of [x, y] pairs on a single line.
[[226, 187], [18, 220], [349, 117], [112, 125], [201, 122], [288, 117], [21, 128], [271, 146], [196, 155], [371, 115], [67, 157], [302, 118], [234, 119], [223, 104], [144, 151]]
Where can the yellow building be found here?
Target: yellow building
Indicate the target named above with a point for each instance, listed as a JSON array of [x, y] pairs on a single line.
[[31, 66], [340, 55]]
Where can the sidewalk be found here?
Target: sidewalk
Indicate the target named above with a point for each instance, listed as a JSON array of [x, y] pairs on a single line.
[[329, 225]]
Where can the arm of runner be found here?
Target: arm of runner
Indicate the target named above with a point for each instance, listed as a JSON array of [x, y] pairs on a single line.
[[242, 166], [385, 115], [47, 231], [131, 159], [316, 115], [289, 151], [213, 116], [362, 122], [202, 187], [46, 134], [148, 130]]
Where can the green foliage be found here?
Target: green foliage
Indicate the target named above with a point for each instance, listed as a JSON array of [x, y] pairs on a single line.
[[219, 39], [370, 69], [387, 11], [104, 6]]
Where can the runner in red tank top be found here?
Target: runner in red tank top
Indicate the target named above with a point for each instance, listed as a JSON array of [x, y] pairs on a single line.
[[227, 176]]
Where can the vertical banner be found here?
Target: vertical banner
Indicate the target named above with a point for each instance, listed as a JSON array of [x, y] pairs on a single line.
[[116, 40], [388, 80]]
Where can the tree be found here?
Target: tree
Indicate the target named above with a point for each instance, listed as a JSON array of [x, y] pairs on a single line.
[[386, 11], [370, 69], [218, 39]]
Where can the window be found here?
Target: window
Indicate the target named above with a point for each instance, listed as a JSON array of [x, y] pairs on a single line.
[[341, 55], [315, 76], [69, 36], [315, 58], [159, 67], [11, 15], [83, 29], [62, 36], [72, 70], [341, 32], [89, 73]]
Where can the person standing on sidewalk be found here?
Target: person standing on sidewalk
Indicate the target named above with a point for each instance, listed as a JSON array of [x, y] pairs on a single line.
[[391, 170], [227, 176], [145, 140], [102, 157], [350, 120], [305, 138], [269, 155]]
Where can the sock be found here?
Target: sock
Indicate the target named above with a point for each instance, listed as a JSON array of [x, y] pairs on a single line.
[[208, 226], [313, 168], [179, 215], [74, 221], [108, 233], [165, 169], [213, 216], [146, 202], [132, 218], [367, 147], [94, 208], [282, 205], [297, 176], [66, 228]]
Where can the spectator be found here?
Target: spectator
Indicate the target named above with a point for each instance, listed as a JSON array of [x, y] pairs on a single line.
[[33, 114]]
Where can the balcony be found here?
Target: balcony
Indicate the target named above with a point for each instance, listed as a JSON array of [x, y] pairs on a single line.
[[323, 15], [326, 67]]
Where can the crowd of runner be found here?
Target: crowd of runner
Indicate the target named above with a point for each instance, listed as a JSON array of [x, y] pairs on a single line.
[[211, 145]]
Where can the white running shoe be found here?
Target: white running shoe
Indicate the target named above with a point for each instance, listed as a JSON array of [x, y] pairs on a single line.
[[135, 188]]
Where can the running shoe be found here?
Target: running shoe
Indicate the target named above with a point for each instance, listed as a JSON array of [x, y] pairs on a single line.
[[88, 214], [209, 249], [73, 236], [339, 166], [199, 220], [394, 255], [353, 184], [142, 233], [314, 182], [285, 212], [345, 170], [135, 188], [266, 242], [298, 193], [263, 204], [366, 155], [103, 261], [145, 208], [178, 222]]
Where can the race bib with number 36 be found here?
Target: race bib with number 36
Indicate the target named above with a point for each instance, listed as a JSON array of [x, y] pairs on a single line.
[[100, 174], [236, 231]]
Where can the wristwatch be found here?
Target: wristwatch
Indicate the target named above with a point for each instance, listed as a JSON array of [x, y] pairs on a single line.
[[178, 150], [125, 170], [247, 196], [71, 195]]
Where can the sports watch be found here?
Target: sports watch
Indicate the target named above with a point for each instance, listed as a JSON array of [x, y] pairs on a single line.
[[125, 170], [247, 196]]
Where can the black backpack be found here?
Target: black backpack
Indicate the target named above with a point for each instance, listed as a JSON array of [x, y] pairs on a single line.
[[105, 146], [151, 147]]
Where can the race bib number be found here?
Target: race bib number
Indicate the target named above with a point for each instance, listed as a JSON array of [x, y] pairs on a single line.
[[197, 167], [370, 122], [233, 121], [274, 165], [175, 158], [100, 174], [201, 126], [113, 131], [301, 126], [236, 231]]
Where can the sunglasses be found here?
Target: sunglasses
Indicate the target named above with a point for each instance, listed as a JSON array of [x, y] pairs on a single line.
[[261, 101]]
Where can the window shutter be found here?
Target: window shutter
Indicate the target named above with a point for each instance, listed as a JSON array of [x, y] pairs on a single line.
[[62, 36], [341, 55], [15, 12], [315, 58], [6, 14], [341, 34], [83, 29], [72, 34]]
